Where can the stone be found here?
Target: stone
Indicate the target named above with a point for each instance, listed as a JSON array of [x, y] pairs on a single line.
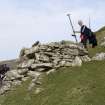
[[25, 79], [31, 86], [68, 64], [26, 64], [68, 51], [22, 52], [50, 71], [44, 58], [62, 63], [85, 58], [49, 50], [5, 87], [37, 56], [77, 61], [56, 61], [41, 69], [49, 54], [23, 71], [38, 90], [41, 57], [33, 74], [36, 43], [12, 75], [30, 53], [102, 44], [43, 47], [42, 65], [99, 56]]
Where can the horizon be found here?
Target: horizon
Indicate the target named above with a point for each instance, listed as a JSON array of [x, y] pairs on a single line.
[[22, 22]]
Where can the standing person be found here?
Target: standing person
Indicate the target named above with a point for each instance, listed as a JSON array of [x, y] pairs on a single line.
[[83, 33], [87, 35]]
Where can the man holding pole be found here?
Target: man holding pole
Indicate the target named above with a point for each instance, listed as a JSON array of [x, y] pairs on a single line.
[[87, 35], [83, 35]]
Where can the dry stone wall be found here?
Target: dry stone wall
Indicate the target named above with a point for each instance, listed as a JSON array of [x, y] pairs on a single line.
[[43, 58]]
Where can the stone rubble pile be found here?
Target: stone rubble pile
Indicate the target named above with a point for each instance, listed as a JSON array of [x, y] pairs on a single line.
[[43, 58], [51, 56]]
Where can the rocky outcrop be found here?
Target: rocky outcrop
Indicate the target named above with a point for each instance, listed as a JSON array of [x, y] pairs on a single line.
[[43, 58], [99, 56]]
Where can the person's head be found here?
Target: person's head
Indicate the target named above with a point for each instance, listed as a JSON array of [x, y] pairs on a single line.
[[80, 23]]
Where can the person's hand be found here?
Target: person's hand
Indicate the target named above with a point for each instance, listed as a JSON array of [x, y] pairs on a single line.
[[77, 32]]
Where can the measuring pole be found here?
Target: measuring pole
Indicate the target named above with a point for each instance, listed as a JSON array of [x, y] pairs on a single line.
[[72, 28], [89, 23]]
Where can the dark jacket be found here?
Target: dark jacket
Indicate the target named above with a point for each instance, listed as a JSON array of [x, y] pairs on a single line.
[[87, 34]]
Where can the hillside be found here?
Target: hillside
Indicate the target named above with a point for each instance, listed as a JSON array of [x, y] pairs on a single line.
[[83, 85], [100, 34], [12, 63]]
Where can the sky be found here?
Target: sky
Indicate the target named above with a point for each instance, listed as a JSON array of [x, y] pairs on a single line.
[[22, 22]]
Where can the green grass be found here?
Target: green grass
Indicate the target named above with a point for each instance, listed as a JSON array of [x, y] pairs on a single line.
[[68, 86], [93, 51]]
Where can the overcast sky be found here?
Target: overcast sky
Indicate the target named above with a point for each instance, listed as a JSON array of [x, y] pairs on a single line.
[[22, 22]]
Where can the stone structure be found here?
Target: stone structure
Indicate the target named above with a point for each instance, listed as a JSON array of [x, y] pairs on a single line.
[[43, 58]]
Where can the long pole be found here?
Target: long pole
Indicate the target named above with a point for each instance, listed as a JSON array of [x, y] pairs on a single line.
[[72, 27], [89, 23]]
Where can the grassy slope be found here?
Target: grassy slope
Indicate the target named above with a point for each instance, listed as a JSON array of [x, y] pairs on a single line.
[[68, 86], [100, 34]]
